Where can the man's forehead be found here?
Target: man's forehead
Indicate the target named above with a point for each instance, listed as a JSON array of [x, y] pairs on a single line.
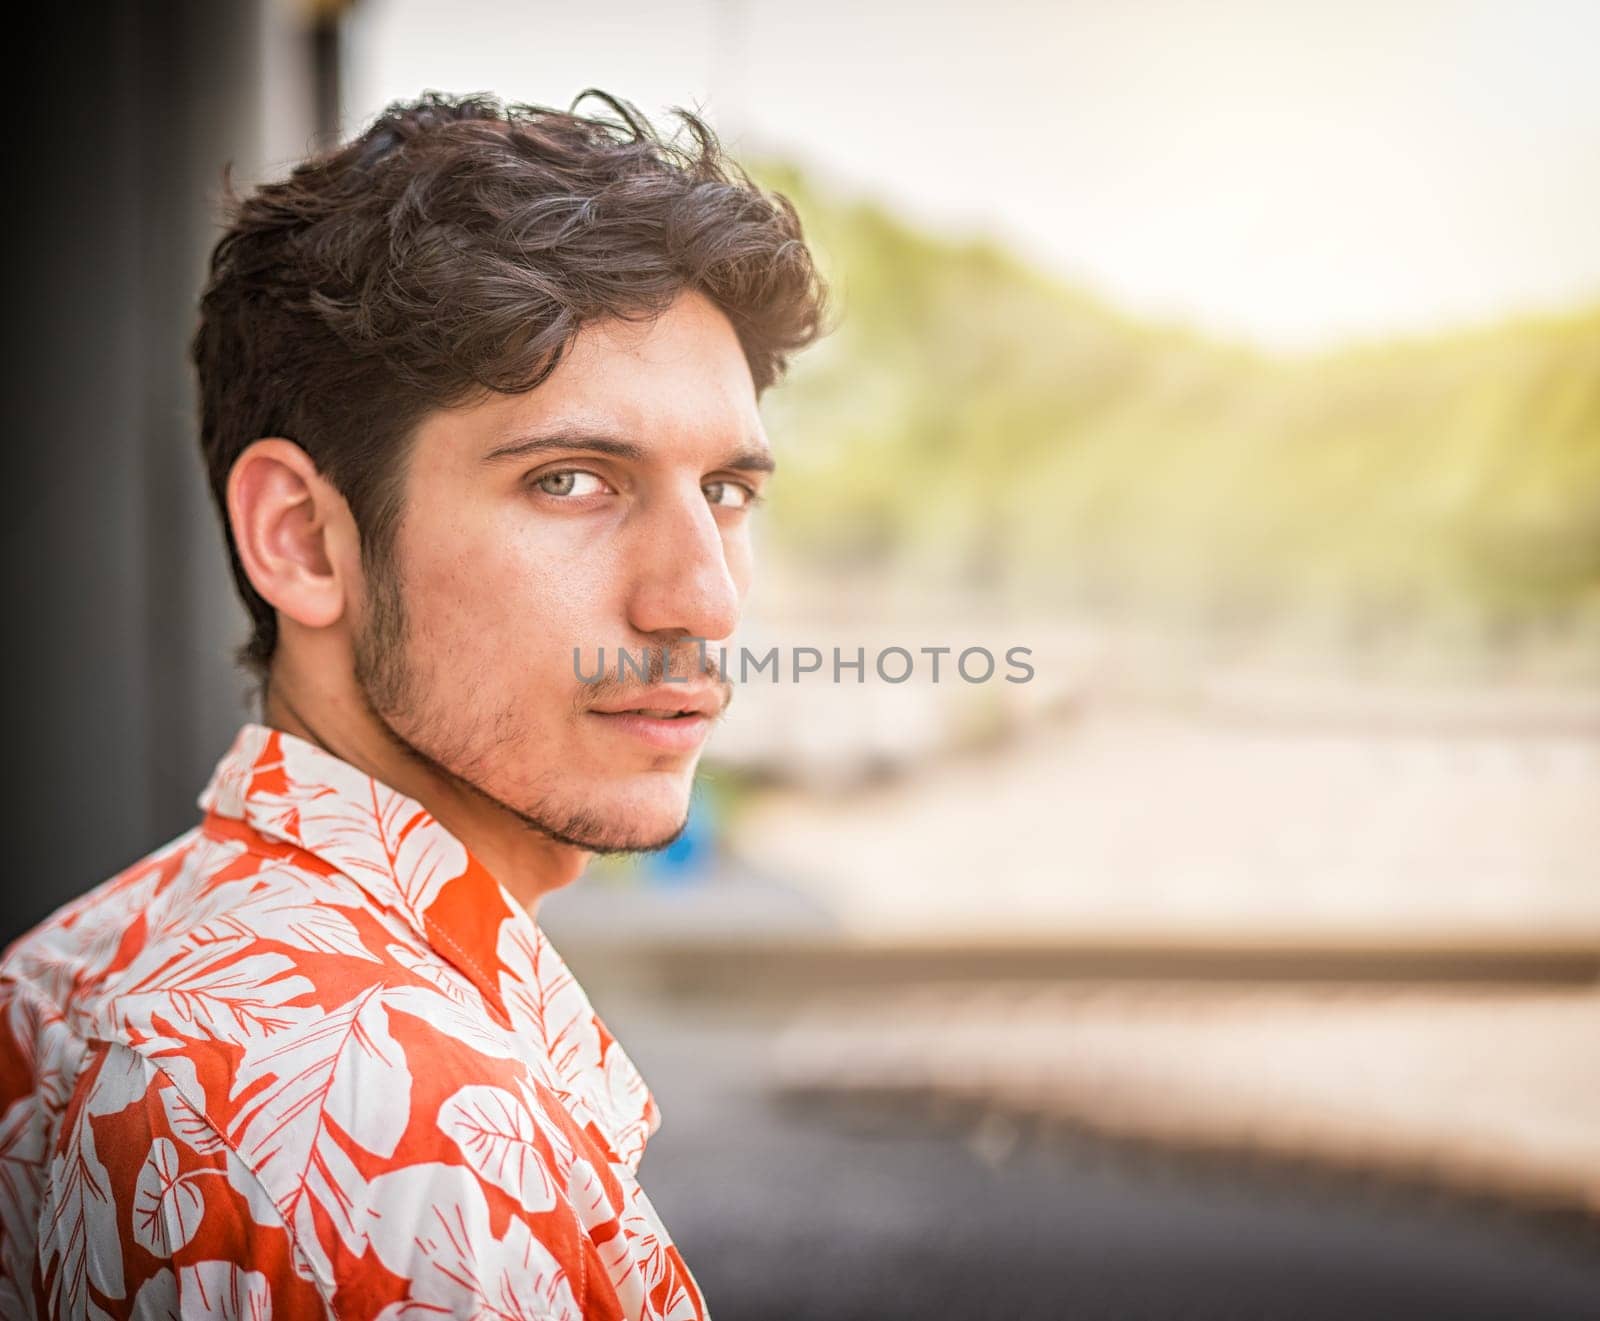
[[679, 382], [629, 375], [690, 332]]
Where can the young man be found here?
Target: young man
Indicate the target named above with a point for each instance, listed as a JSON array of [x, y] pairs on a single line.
[[478, 398]]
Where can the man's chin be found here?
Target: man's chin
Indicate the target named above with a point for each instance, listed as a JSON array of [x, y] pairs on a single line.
[[644, 817], [614, 827], [613, 837]]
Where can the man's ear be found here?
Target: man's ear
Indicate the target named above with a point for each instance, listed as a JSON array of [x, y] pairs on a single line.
[[294, 532]]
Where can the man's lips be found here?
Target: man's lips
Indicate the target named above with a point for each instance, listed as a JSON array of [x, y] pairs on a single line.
[[678, 733], [666, 702], [671, 717]]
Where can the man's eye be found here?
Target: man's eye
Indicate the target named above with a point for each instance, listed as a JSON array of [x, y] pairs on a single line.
[[733, 495], [569, 482]]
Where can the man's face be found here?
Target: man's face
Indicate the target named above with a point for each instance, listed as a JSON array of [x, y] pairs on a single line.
[[606, 508]]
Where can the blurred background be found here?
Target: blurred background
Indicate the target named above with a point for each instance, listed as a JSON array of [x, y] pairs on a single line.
[[1240, 360]]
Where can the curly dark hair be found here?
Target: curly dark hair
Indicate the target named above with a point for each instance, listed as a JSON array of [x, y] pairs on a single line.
[[455, 249]]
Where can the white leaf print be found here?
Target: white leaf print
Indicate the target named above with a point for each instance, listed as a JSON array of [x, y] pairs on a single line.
[[545, 1001], [635, 1259], [167, 1207], [625, 1099], [382, 838], [298, 910], [648, 1245], [495, 1132], [274, 899], [626, 1278], [23, 1142], [443, 978], [341, 1068], [471, 1027], [78, 1225], [177, 1068], [560, 1143], [223, 1291], [428, 858], [429, 1223], [316, 928], [195, 897], [588, 1196], [205, 1291], [190, 1127], [22, 1146], [342, 1064], [226, 792], [95, 927], [638, 1261], [123, 1076], [214, 990], [157, 1299]]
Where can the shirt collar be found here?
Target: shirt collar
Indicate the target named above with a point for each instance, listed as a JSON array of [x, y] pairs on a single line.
[[290, 789]]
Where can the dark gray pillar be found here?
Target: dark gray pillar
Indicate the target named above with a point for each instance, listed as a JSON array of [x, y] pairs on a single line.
[[118, 693]]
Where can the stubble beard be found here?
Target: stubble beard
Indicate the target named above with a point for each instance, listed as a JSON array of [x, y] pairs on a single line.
[[391, 690]]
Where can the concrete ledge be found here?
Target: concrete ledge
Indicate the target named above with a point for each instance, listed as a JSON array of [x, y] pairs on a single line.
[[798, 965]]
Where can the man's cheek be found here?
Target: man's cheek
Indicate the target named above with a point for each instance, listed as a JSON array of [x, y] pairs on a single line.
[[468, 596]]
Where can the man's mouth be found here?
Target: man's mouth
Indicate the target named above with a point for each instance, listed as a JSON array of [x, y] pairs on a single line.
[[670, 718], [664, 730], [670, 702]]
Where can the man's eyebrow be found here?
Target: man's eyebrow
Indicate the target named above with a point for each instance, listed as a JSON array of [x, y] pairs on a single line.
[[750, 458]]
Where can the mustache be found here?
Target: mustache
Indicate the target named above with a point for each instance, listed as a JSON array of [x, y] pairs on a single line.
[[659, 663]]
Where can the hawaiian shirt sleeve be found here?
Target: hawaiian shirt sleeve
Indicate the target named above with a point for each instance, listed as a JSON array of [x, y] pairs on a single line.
[[148, 1213]]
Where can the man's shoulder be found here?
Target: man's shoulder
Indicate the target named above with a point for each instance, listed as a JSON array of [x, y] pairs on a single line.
[[357, 1078], [250, 944], [65, 951], [315, 1034], [254, 1012], [201, 888], [222, 953]]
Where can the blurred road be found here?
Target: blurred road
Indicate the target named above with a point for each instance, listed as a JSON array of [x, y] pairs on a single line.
[[801, 1212], [1486, 1088]]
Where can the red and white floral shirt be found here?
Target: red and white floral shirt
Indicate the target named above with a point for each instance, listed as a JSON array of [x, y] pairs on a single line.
[[310, 1059]]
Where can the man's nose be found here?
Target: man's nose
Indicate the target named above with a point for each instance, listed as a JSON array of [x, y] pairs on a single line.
[[683, 584]]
